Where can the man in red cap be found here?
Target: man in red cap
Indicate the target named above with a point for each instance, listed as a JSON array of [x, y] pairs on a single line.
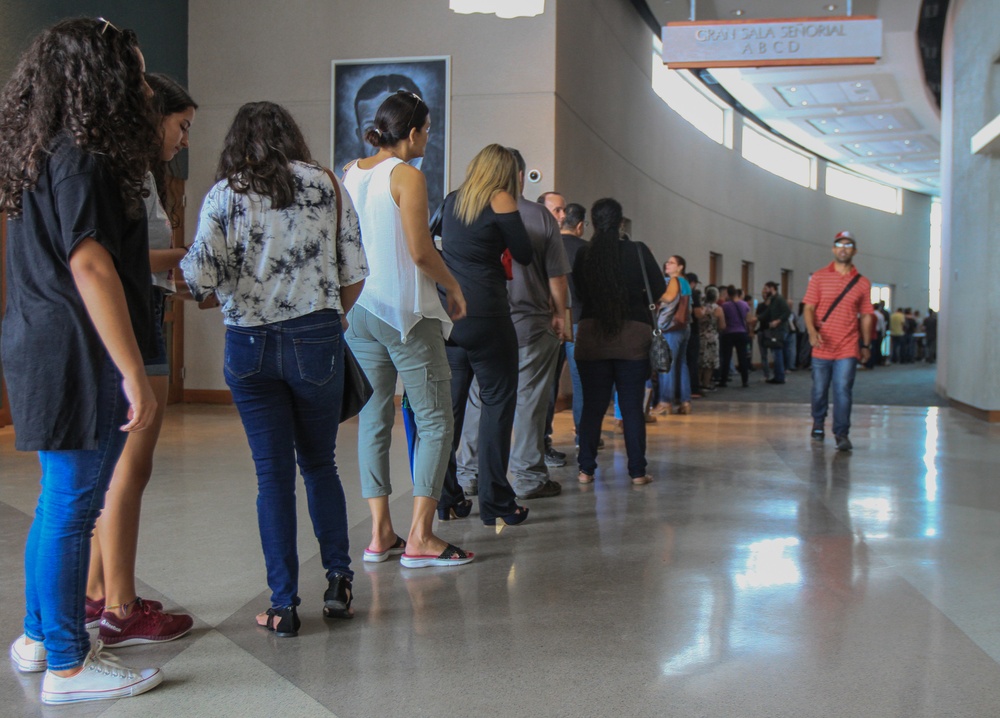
[[836, 295]]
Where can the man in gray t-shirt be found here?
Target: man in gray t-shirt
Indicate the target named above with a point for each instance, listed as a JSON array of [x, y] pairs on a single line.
[[539, 295]]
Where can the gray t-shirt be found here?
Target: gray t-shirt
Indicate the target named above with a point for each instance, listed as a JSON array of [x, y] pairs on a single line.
[[528, 291]]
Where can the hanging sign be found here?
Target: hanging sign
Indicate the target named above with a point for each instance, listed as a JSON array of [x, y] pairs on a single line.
[[773, 43]]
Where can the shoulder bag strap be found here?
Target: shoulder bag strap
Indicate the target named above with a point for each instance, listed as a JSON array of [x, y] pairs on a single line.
[[649, 292], [336, 192], [848, 288]]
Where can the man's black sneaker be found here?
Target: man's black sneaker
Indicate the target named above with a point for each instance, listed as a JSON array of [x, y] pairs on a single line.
[[817, 433], [549, 488], [843, 443], [554, 459]]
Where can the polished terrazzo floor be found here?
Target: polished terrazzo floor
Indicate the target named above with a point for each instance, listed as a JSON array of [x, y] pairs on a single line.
[[759, 575]]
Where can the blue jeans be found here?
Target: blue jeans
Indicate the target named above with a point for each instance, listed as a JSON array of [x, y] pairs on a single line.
[[779, 363], [599, 378], [839, 372], [287, 381], [58, 549], [675, 385], [791, 339], [574, 375]]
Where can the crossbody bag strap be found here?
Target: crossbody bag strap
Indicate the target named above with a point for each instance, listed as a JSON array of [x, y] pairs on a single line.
[[336, 192], [848, 288], [645, 281]]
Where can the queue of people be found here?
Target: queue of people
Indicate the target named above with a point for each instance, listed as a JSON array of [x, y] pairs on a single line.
[[306, 266]]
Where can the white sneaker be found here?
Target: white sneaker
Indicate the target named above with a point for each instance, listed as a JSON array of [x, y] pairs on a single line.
[[29, 657], [102, 677]]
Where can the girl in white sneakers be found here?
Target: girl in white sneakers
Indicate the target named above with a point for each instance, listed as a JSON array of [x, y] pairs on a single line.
[[75, 138]]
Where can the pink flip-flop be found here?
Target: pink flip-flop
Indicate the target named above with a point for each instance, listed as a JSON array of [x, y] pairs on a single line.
[[451, 556], [379, 556]]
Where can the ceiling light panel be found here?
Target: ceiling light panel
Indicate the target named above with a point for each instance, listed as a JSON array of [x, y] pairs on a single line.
[[912, 167], [825, 94], [895, 121]]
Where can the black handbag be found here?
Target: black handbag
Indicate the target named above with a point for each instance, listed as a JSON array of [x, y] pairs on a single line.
[[774, 338], [357, 389], [660, 356]]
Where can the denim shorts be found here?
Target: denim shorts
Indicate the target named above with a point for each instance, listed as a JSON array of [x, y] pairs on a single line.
[[159, 363]]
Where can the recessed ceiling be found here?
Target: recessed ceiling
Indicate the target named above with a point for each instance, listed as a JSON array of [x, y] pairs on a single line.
[[879, 120]]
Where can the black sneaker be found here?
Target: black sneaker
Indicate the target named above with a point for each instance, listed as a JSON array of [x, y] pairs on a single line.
[[549, 488], [843, 443], [338, 597], [817, 433], [554, 459]]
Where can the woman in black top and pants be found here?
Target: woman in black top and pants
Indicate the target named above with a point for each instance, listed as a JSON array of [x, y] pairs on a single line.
[[613, 337], [480, 222]]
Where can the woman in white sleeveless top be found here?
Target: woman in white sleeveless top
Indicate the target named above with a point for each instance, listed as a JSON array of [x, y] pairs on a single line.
[[398, 328]]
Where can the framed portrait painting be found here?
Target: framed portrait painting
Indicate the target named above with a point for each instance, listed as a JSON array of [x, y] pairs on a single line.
[[360, 86]]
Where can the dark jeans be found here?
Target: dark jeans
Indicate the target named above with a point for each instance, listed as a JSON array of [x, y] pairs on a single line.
[[728, 342], [897, 349], [840, 373], [487, 348], [599, 378], [287, 381]]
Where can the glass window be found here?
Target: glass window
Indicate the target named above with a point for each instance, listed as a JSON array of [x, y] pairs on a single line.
[[853, 188], [770, 153], [934, 277], [685, 96]]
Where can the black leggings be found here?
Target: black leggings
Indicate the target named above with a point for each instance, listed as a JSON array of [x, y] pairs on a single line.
[[487, 348]]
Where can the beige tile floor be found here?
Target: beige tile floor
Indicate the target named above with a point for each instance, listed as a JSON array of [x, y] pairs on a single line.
[[759, 575]]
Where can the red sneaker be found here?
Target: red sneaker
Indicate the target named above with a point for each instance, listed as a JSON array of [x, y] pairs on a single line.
[[144, 625], [95, 609]]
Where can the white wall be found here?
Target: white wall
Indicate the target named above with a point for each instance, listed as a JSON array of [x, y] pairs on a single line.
[[571, 89], [970, 300], [502, 90]]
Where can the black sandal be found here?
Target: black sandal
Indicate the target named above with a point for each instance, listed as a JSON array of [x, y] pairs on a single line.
[[283, 621], [338, 597]]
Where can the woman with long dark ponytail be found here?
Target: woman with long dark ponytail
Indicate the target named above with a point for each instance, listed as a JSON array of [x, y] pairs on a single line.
[[613, 336], [398, 328]]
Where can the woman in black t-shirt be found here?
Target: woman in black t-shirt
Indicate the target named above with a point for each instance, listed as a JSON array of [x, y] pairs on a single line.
[[75, 135], [481, 221]]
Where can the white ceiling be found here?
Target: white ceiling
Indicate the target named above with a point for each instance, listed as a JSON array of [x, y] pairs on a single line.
[[879, 120]]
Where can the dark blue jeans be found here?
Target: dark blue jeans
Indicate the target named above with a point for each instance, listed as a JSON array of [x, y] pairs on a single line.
[[287, 381], [58, 550], [840, 373], [599, 378]]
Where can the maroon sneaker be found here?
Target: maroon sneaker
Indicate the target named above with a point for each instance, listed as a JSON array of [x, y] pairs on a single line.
[[95, 609], [144, 625]]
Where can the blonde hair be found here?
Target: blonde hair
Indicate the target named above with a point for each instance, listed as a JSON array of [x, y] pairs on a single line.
[[491, 171]]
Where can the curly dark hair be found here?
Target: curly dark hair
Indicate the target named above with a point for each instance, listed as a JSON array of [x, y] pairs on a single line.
[[169, 97], [83, 77], [259, 148], [602, 267]]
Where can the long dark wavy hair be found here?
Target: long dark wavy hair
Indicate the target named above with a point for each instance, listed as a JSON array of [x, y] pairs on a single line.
[[83, 77], [258, 151], [602, 268], [168, 98]]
